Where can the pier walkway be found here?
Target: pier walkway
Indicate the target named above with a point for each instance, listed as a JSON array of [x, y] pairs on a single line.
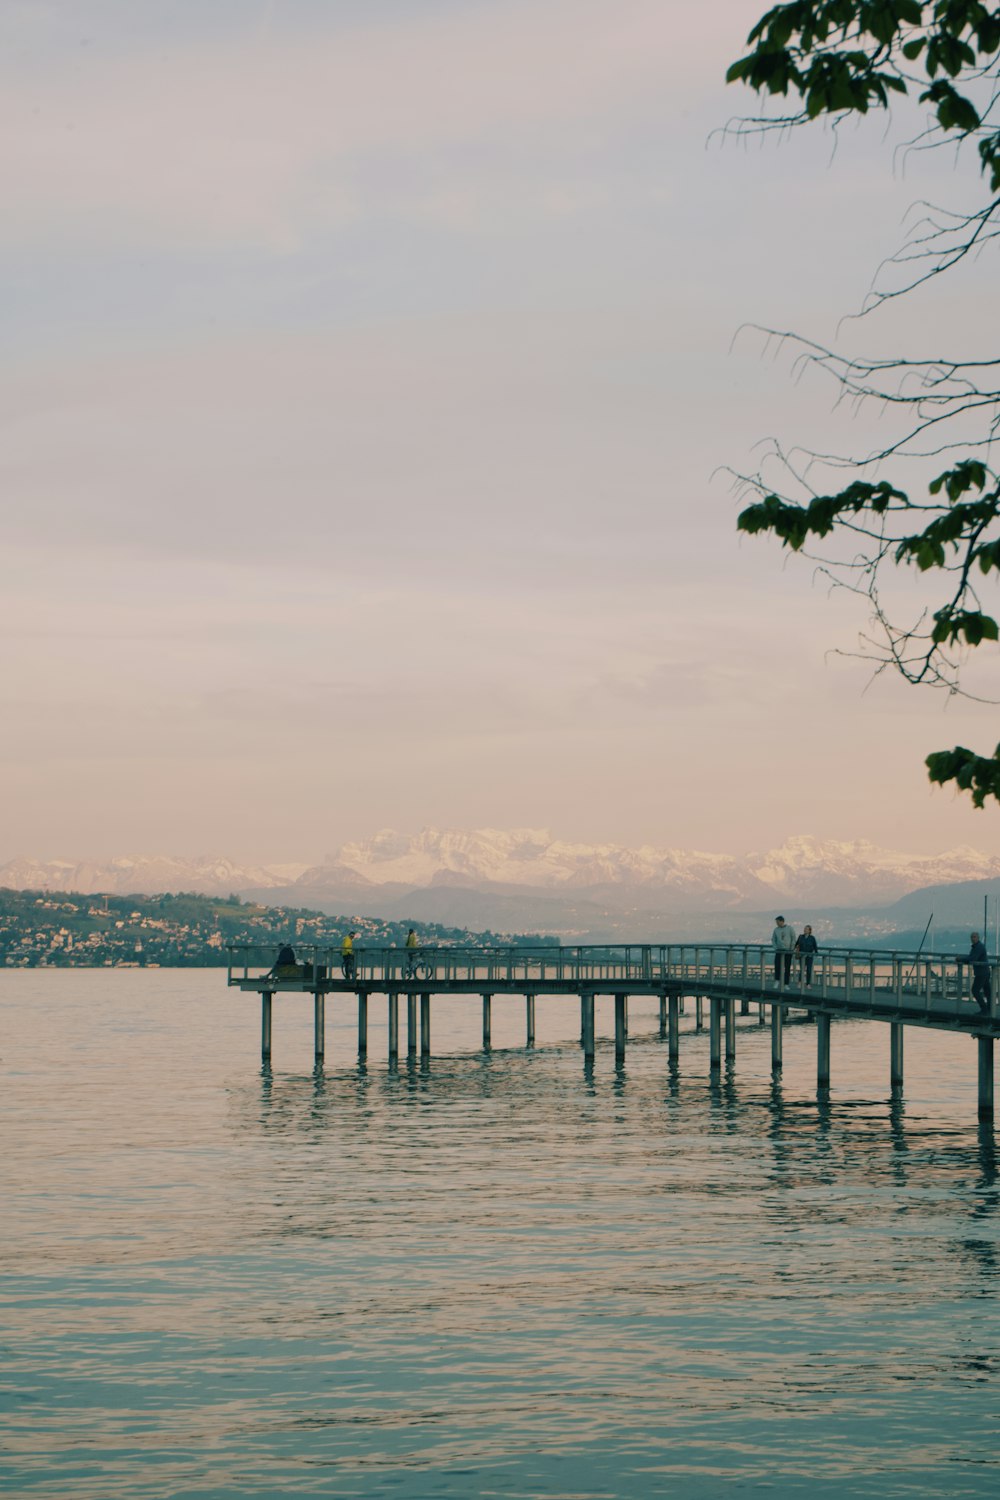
[[897, 989]]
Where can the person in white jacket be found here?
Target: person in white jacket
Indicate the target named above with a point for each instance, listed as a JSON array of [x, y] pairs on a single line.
[[783, 942]]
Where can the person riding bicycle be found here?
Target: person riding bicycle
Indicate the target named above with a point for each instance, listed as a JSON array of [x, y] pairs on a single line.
[[347, 955]]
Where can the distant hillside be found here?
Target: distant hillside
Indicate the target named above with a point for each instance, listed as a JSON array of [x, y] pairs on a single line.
[[959, 905], [63, 929]]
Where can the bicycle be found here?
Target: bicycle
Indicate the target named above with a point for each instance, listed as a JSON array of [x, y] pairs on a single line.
[[418, 968]]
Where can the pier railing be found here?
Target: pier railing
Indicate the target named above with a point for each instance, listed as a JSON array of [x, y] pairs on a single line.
[[934, 984]]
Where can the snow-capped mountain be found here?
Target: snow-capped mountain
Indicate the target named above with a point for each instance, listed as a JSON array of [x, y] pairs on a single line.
[[146, 874], [527, 862], [802, 868]]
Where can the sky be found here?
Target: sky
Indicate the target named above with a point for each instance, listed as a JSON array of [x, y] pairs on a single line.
[[371, 378]]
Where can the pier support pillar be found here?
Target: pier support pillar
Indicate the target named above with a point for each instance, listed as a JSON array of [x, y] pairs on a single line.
[[393, 1026], [715, 1034], [985, 1077], [674, 1030], [761, 1017], [730, 1031], [587, 1025], [699, 1024], [265, 1026], [777, 1020], [529, 1019], [425, 1025], [411, 1025], [823, 1054], [319, 1028], [620, 1027], [895, 1054], [663, 1017], [362, 1024], [744, 1007], [487, 1022]]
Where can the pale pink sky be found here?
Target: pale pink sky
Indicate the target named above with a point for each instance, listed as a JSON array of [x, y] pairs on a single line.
[[365, 379]]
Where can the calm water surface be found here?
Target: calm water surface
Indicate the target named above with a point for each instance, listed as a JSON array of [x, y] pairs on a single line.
[[497, 1276]]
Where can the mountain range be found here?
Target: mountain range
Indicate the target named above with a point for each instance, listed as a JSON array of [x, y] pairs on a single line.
[[526, 880]]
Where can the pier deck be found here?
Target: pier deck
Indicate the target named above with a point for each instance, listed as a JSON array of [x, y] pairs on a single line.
[[895, 988]]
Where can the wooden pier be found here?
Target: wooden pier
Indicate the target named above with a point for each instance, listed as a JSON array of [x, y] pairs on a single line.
[[896, 989]]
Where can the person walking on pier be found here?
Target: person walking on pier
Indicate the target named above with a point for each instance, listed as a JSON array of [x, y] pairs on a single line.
[[806, 949], [411, 953], [347, 955], [982, 988], [782, 941]]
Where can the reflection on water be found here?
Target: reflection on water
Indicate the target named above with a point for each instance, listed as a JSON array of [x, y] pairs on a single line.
[[507, 1274]]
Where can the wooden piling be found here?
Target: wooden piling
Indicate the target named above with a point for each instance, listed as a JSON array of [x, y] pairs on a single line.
[[777, 1020], [715, 1034], [674, 1029], [265, 1026], [425, 1025], [699, 1024], [319, 1028], [730, 1031], [620, 1027], [411, 1025], [487, 1022], [895, 1054], [663, 1017], [587, 1024], [985, 1077], [362, 1024], [823, 1054], [393, 1003], [529, 1007]]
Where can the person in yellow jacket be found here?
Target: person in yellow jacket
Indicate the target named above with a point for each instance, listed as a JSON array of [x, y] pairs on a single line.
[[411, 953], [347, 955]]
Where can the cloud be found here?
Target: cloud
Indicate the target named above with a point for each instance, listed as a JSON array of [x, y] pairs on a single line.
[[263, 139]]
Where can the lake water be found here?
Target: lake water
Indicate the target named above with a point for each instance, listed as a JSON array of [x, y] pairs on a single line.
[[494, 1275]]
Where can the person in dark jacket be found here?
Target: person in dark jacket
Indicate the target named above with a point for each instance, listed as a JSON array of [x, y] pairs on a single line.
[[806, 949], [982, 988], [285, 966]]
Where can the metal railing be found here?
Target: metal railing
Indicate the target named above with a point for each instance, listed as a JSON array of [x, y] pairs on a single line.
[[864, 979]]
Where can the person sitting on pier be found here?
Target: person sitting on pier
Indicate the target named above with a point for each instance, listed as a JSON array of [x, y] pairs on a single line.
[[285, 966], [982, 987], [806, 949], [347, 955], [782, 941]]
